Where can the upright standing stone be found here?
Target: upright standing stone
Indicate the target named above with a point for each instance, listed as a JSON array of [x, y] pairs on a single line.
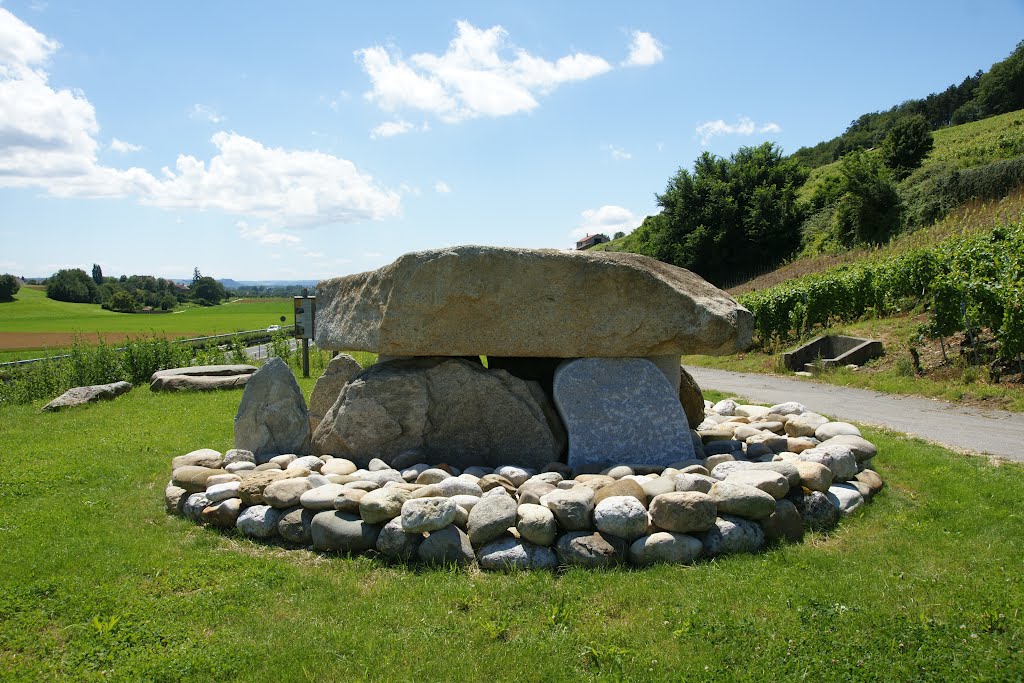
[[620, 410], [272, 417], [340, 370]]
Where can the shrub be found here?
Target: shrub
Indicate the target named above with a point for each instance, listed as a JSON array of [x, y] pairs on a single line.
[[9, 286], [73, 285]]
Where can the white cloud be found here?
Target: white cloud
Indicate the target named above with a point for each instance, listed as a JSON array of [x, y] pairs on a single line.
[[200, 112], [390, 129], [618, 153], [263, 235], [744, 126], [48, 139], [124, 147], [644, 50], [608, 219], [472, 78], [441, 187]]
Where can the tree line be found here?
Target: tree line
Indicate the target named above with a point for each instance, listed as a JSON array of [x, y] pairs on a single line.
[[131, 293]]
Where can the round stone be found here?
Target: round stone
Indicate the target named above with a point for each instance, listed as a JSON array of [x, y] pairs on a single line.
[[591, 549], [732, 535], [846, 499], [508, 554], [536, 524], [239, 455], [382, 505], [338, 466], [491, 517], [219, 492], [321, 497], [516, 475], [397, 543], [784, 524], [572, 508], [667, 547], [348, 499], [335, 531], [432, 476], [447, 546], [830, 429], [286, 493], [295, 525], [224, 514], [427, 514], [174, 499], [622, 516], [814, 475], [194, 506], [683, 511], [772, 483], [817, 512], [204, 457], [258, 521]]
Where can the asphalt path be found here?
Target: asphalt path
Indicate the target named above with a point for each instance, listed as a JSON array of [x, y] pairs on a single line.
[[974, 430]]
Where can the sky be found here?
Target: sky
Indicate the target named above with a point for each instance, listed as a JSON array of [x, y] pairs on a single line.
[[258, 140]]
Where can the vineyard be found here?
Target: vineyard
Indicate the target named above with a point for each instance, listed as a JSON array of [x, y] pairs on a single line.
[[968, 284]]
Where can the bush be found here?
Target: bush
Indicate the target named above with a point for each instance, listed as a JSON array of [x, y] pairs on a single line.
[[933, 198], [9, 286], [73, 285], [123, 302], [859, 205], [906, 145]]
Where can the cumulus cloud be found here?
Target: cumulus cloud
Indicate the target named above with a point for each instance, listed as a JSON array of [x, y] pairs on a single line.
[[390, 129], [263, 235], [608, 219], [48, 139], [441, 187], [743, 126], [475, 77], [124, 147], [644, 50], [201, 112]]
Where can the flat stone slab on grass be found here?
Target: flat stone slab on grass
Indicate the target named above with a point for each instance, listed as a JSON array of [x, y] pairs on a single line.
[[201, 378], [82, 395], [495, 301], [620, 410]]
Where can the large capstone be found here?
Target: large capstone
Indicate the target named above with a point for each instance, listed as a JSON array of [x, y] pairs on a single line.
[[620, 410], [272, 417], [449, 410], [488, 301]]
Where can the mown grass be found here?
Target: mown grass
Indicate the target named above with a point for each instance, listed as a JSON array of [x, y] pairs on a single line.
[[32, 312], [98, 583]]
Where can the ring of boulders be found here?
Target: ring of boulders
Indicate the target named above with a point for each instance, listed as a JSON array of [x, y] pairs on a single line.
[[762, 475]]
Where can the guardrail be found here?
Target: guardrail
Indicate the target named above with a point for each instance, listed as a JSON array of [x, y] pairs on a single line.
[[256, 337]]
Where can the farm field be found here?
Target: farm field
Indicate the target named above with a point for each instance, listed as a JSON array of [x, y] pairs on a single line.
[[32, 321], [99, 583]]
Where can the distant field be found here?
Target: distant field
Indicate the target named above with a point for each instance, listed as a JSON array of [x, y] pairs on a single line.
[[32, 321]]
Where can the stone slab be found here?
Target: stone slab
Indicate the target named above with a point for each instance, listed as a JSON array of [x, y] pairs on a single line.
[[494, 301], [82, 395], [620, 410]]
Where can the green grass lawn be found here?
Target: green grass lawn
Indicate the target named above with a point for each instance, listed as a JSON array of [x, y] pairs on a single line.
[[98, 583], [32, 312]]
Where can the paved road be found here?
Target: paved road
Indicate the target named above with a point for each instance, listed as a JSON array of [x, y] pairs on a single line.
[[976, 430]]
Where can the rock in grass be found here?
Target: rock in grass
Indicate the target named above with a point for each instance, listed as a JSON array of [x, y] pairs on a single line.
[[224, 514], [814, 476], [731, 535], [272, 416], [397, 543], [508, 554], [421, 515], [259, 521], [296, 525], [174, 499], [536, 524], [871, 478], [845, 498], [772, 483], [447, 546], [193, 478], [252, 487], [741, 500], [683, 511], [816, 511], [321, 497], [334, 531], [491, 518], [204, 457], [622, 516], [783, 524], [665, 546], [82, 395], [219, 492], [862, 448], [830, 429], [591, 549], [194, 506], [622, 487]]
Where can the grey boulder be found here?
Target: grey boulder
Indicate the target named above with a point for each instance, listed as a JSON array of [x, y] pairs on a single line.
[[272, 416], [81, 395]]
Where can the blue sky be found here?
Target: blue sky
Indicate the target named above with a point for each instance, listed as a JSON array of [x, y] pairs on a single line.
[[258, 141]]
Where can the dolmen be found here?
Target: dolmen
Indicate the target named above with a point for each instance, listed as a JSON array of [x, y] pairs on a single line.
[[201, 378], [582, 357]]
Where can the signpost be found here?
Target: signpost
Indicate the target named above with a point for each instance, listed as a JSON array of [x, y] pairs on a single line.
[[305, 311]]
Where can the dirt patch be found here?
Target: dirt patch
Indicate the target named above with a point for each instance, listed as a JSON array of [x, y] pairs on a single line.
[[17, 341]]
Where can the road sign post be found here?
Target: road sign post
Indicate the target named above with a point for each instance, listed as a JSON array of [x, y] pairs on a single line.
[[305, 315]]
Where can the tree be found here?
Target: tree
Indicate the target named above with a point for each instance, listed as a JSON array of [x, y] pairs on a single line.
[[619, 235], [97, 274], [729, 215], [9, 286], [123, 302], [906, 145], [73, 285], [1002, 89], [168, 302], [196, 275], [207, 292], [862, 200]]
